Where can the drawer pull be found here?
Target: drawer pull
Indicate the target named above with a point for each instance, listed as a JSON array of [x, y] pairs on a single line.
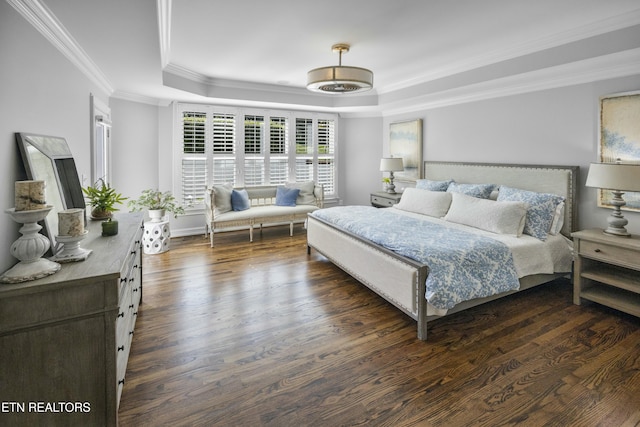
[[121, 314], [597, 250], [121, 381], [121, 348], [131, 306]]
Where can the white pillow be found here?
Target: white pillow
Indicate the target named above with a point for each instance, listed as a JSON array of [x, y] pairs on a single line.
[[222, 198], [489, 215], [306, 196], [425, 202], [558, 219]]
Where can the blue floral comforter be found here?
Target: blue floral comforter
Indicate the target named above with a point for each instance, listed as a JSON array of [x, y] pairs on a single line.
[[462, 265]]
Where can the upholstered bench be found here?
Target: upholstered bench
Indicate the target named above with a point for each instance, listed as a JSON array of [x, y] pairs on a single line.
[[228, 207]]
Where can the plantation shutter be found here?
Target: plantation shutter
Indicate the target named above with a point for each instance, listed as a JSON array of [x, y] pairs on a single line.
[[326, 155], [304, 149], [224, 148], [217, 145], [278, 150], [254, 167], [194, 161]]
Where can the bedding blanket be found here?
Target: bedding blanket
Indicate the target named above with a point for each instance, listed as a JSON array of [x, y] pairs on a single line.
[[462, 265]]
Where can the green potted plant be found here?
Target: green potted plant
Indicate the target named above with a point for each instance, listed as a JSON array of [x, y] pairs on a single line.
[[102, 198], [386, 180], [157, 203]]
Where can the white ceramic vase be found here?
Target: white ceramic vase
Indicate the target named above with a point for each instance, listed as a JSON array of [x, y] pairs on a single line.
[[156, 215]]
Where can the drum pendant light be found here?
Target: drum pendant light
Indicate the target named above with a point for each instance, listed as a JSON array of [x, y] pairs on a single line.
[[339, 78]]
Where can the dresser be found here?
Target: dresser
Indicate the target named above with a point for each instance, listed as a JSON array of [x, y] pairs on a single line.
[[607, 270], [65, 338]]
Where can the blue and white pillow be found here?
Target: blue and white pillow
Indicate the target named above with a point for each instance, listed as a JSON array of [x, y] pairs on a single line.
[[541, 211], [482, 191], [286, 196], [427, 184], [240, 200]]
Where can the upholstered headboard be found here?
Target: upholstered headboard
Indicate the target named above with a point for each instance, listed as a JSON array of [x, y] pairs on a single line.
[[560, 180]]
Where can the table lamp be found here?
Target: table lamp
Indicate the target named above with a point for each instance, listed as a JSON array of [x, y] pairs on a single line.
[[391, 165], [619, 178]]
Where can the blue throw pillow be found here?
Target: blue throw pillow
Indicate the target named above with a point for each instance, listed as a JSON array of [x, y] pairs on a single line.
[[541, 210], [482, 191], [286, 196], [427, 184], [240, 200]]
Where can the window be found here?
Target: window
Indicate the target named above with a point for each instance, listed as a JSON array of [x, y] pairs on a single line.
[[248, 147], [100, 141]]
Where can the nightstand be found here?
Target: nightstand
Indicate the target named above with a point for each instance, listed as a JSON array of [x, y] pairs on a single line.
[[382, 199], [607, 270]]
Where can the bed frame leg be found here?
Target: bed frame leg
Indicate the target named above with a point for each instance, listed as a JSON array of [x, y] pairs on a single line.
[[421, 291], [308, 250], [422, 329]]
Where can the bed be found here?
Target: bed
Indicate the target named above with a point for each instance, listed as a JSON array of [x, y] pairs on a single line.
[[402, 278]]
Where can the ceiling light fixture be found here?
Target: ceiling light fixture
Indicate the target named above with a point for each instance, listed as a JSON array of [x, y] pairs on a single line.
[[339, 78]]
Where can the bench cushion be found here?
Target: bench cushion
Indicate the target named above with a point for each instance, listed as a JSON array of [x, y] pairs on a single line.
[[265, 212]]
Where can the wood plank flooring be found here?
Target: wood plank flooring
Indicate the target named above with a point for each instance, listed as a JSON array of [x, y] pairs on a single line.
[[263, 334]]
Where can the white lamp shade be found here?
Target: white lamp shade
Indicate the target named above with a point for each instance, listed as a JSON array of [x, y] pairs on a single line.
[[614, 176], [391, 164]]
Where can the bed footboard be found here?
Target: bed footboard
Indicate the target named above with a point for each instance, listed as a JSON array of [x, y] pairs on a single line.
[[397, 279]]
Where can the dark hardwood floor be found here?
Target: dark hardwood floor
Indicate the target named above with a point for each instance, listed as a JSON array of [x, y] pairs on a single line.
[[264, 334]]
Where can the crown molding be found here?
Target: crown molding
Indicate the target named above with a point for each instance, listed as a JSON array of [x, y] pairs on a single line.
[[141, 99], [43, 20], [555, 40], [164, 29], [616, 65]]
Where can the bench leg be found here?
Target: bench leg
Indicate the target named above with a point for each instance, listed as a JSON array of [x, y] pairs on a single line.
[[291, 229], [251, 234], [211, 237]]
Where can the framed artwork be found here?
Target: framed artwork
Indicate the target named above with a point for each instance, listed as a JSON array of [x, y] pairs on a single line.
[[405, 140], [620, 139]]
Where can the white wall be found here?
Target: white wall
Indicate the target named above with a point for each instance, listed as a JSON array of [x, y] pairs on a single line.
[[41, 92], [135, 150], [558, 126], [360, 151]]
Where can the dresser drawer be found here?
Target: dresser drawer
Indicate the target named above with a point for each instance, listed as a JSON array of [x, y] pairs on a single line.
[[609, 253], [381, 201]]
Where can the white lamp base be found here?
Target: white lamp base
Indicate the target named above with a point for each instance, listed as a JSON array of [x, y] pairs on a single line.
[[616, 220]]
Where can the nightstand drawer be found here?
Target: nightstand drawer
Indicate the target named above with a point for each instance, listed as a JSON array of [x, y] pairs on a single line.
[[605, 252], [382, 201]]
